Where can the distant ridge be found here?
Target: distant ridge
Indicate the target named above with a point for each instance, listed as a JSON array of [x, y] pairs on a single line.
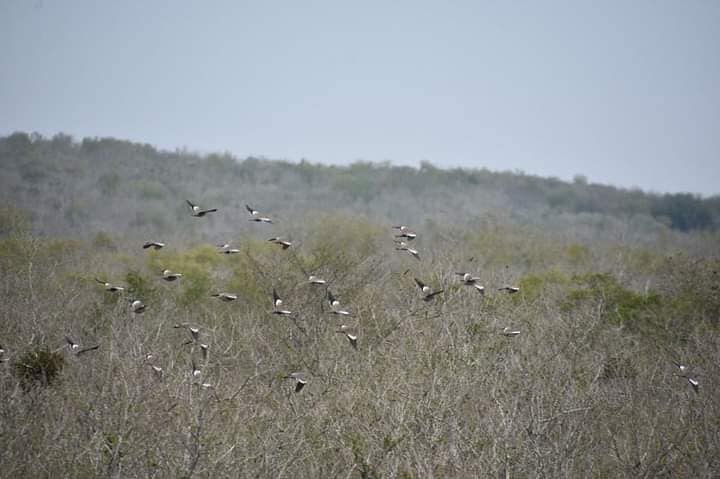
[[73, 186]]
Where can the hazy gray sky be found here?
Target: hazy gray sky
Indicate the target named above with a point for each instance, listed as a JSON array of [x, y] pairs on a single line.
[[624, 92]]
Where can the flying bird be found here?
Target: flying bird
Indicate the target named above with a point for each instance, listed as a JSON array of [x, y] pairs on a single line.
[[279, 241], [168, 275], [470, 280], [137, 306], [199, 212], [226, 249], [110, 287], [193, 330], [256, 216], [76, 349], [156, 245], [227, 297], [157, 371], [509, 289], [300, 380], [316, 281], [683, 368], [402, 246], [72, 344], [277, 303], [195, 370], [509, 332], [405, 232], [427, 293], [350, 333], [335, 305]]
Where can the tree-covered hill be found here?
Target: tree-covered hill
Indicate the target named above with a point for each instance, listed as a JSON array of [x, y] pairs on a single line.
[[75, 188]]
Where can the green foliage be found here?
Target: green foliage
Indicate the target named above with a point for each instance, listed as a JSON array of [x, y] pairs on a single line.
[[196, 285], [109, 183], [578, 255], [139, 286], [357, 183], [340, 242], [149, 189], [104, 241], [686, 211], [619, 305], [14, 221], [693, 288], [533, 286], [39, 367]]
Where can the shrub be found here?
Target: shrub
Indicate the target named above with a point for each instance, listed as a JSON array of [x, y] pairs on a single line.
[[619, 305], [38, 367]]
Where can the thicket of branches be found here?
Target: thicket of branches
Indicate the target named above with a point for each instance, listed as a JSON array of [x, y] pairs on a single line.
[[589, 388]]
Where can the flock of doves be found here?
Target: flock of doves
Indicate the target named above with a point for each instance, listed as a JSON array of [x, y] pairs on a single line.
[[402, 241]]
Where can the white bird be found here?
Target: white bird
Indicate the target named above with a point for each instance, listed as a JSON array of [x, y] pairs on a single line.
[[335, 305], [350, 333], [199, 212], [204, 348], [300, 380], [256, 216], [683, 368], [277, 303], [509, 289], [72, 344], [193, 330], [405, 232], [227, 297], [282, 242], [157, 371], [195, 370], [110, 287], [226, 249], [470, 280], [315, 280], [694, 383], [168, 275], [402, 246], [509, 332], [76, 349], [137, 306], [156, 245], [427, 293]]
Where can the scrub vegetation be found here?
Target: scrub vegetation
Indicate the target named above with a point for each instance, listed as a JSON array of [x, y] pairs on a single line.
[[616, 290]]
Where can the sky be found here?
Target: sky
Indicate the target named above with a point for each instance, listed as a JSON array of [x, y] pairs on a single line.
[[624, 93]]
